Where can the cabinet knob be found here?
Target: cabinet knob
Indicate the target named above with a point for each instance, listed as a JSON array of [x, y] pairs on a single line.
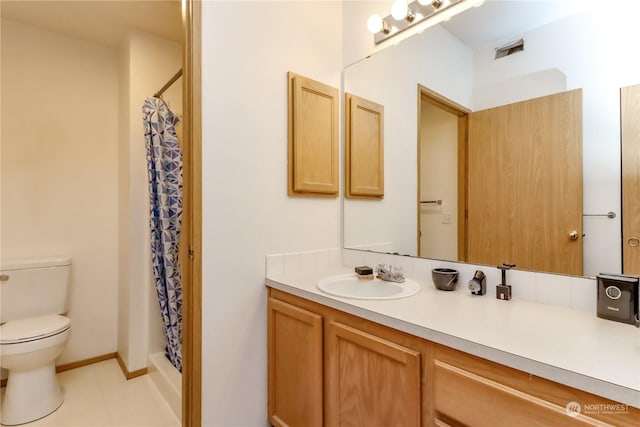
[[633, 242]]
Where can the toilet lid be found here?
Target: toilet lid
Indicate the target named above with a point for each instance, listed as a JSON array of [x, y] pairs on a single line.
[[17, 331]]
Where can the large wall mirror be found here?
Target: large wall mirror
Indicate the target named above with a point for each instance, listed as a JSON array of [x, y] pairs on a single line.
[[516, 158]]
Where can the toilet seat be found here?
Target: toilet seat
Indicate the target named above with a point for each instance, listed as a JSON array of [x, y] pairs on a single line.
[[32, 329]]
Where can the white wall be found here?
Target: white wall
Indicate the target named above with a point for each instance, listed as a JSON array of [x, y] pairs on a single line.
[[248, 47], [445, 66], [147, 63], [59, 170]]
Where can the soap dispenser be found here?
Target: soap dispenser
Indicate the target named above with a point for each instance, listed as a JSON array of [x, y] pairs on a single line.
[[478, 285], [503, 291]]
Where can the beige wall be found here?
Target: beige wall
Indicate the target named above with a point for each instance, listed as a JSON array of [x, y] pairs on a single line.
[[246, 211], [147, 63], [59, 170], [74, 176]]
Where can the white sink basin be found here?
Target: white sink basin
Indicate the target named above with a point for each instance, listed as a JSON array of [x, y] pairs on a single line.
[[349, 286]]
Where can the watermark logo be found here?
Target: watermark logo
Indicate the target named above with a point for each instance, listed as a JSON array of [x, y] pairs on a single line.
[[573, 409]]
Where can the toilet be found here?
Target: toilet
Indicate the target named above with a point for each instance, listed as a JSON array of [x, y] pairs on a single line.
[[33, 332]]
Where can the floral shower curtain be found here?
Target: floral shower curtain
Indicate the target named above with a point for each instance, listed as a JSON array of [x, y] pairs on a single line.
[[164, 160]]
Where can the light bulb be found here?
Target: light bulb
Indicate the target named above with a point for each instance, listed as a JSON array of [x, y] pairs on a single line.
[[374, 24], [399, 10]]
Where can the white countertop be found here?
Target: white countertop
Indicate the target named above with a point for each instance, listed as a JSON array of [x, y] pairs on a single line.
[[571, 347]]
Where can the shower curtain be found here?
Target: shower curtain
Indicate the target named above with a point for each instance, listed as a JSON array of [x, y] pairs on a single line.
[[164, 160]]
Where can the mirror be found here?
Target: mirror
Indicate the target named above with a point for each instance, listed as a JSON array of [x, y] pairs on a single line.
[[568, 45]]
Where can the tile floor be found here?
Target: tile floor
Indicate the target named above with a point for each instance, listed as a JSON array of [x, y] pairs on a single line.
[[99, 395]]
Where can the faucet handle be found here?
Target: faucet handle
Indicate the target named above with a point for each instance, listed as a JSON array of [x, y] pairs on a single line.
[[396, 271], [382, 268]]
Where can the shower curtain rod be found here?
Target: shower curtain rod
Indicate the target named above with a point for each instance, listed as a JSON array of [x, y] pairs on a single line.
[[169, 83]]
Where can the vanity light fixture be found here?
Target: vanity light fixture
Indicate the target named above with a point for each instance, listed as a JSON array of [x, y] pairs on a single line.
[[400, 10], [418, 13], [376, 24]]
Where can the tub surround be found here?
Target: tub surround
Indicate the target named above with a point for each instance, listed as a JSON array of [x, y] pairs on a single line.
[[168, 380], [566, 345]]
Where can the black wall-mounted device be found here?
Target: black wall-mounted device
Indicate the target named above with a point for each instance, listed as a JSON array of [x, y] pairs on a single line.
[[618, 298]]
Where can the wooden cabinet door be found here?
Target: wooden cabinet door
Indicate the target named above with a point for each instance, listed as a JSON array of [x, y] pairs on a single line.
[[370, 381], [295, 365], [525, 184], [630, 105], [313, 137]]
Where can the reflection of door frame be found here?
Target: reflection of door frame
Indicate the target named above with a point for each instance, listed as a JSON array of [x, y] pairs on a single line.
[[630, 151], [439, 101]]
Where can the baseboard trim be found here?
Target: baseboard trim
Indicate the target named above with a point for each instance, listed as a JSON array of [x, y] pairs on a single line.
[[85, 362], [129, 375], [79, 364]]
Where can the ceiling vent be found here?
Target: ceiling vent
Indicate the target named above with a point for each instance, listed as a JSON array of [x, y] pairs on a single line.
[[509, 48]]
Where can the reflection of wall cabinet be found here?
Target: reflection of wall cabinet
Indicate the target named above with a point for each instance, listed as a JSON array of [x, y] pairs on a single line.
[[357, 372], [364, 148], [313, 138]]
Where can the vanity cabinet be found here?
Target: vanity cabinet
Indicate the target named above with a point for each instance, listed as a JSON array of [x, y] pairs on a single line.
[[370, 380], [295, 365], [331, 368], [468, 390], [368, 374]]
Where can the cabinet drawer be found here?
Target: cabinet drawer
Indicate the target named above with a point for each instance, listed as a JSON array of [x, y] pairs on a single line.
[[469, 399]]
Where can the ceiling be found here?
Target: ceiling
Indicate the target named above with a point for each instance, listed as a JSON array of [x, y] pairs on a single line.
[[498, 21], [100, 21]]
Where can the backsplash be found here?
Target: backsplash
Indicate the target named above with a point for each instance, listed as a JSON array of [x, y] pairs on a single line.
[[300, 262], [566, 291]]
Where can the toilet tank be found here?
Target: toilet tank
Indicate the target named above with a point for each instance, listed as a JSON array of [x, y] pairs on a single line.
[[33, 287]]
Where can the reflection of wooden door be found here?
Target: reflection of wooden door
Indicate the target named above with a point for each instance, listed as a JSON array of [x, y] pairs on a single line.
[[630, 106], [525, 184]]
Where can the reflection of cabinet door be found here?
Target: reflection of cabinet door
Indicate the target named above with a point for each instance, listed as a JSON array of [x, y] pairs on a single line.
[[364, 148], [295, 365], [370, 381]]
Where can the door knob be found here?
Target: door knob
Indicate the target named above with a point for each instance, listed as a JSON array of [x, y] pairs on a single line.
[[633, 242], [573, 235]]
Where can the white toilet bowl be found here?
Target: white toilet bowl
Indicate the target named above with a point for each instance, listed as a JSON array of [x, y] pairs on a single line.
[[28, 349]]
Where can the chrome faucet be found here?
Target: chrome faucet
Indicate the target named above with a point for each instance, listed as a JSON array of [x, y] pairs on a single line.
[[389, 273]]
